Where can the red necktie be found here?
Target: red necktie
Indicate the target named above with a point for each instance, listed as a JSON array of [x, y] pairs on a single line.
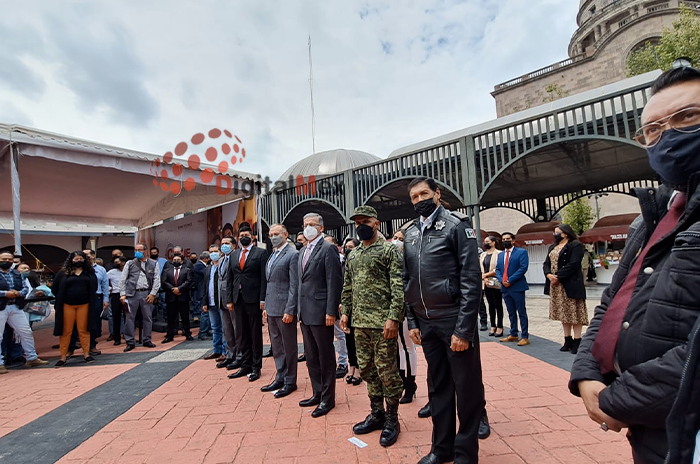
[[609, 331], [241, 263], [505, 266], [177, 274]]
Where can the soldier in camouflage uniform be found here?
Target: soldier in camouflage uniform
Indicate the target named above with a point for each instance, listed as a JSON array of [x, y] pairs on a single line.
[[373, 296]]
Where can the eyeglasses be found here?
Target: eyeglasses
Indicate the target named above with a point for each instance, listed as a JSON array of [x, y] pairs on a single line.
[[686, 121]]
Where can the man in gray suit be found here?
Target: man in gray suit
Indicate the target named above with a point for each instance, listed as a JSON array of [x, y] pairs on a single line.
[[320, 284], [282, 274], [232, 360]]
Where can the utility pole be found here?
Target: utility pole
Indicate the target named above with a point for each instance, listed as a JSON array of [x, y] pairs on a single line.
[[311, 87]]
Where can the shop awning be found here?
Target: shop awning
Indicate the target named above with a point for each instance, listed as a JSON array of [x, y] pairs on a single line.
[[609, 229], [537, 233], [70, 184]]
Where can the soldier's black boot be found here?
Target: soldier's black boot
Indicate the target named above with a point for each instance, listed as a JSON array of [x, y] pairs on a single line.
[[375, 420], [391, 427]]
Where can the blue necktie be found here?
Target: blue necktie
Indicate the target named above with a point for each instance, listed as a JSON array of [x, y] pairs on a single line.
[[272, 260]]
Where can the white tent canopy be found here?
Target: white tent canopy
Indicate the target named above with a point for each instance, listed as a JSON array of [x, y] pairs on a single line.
[[74, 184]]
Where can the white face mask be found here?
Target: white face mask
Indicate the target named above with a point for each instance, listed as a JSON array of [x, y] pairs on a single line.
[[398, 243], [310, 233]]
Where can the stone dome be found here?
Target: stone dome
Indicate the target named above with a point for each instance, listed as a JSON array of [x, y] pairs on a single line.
[[329, 162]]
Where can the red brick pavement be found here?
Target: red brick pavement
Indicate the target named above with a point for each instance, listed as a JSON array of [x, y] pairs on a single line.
[[200, 416]]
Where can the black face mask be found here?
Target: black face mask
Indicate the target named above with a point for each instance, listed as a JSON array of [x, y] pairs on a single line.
[[78, 264], [675, 158], [507, 245], [558, 238], [426, 207], [5, 265], [154, 256], [364, 231], [245, 241], [177, 264], [193, 260], [299, 245]]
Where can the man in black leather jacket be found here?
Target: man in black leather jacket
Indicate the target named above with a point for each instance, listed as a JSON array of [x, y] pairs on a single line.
[[629, 367], [442, 280]]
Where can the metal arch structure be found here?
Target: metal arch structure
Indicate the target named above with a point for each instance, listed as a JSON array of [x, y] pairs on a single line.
[[319, 200], [510, 162]]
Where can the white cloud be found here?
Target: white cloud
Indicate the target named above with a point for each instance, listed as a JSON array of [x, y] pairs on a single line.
[[147, 75]]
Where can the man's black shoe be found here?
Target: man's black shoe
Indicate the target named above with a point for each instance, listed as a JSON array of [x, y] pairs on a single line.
[[285, 391], [268, 353], [322, 409], [375, 421], [224, 363], [129, 348], [302, 358], [424, 411], [313, 401], [276, 385], [483, 327], [167, 340], [341, 371], [117, 343], [149, 345], [189, 338], [242, 372], [235, 364], [484, 427], [253, 376], [434, 459]]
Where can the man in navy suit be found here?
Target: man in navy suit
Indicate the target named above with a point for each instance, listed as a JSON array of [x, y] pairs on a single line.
[[510, 271], [320, 284]]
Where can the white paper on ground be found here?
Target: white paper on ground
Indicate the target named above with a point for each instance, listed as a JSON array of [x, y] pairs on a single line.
[[357, 442]]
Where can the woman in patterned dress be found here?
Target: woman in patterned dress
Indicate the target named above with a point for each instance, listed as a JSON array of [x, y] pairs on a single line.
[[565, 285]]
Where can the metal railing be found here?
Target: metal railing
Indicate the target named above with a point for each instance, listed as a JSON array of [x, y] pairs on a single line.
[[616, 115], [441, 163], [540, 72]]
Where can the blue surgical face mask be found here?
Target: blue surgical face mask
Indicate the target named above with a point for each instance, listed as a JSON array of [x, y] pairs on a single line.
[[214, 256], [676, 157], [226, 249], [138, 255]]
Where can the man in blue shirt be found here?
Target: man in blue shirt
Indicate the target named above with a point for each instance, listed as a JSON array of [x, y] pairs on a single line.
[[13, 289], [210, 298]]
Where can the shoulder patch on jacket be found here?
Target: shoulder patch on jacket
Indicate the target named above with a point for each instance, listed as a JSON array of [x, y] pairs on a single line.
[[460, 216], [470, 233]]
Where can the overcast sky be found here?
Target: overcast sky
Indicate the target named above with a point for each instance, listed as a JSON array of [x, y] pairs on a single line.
[[149, 74]]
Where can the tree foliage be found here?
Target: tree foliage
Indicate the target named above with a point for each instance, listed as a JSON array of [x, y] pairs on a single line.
[[681, 40], [579, 215]]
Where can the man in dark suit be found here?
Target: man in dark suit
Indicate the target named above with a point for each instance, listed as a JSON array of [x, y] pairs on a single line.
[[510, 271], [177, 280], [233, 355], [320, 285], [246, 286], [282, 274]]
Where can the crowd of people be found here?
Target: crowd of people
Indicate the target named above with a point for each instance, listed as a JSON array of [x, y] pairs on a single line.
[[637, 366]]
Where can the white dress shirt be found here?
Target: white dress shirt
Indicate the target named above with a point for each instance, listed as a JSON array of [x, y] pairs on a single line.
[[427, 222]]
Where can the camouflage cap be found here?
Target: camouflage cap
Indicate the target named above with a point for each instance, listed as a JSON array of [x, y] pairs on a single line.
[[364, 211]]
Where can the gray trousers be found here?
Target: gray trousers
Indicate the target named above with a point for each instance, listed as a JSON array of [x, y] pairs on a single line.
[[285, 350], [134, 303], [227, 318]]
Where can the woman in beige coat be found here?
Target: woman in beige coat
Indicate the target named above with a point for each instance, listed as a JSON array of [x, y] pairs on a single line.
[[491, 286]]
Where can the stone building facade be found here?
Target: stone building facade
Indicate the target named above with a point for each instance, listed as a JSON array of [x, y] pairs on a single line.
[[609, 30]]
